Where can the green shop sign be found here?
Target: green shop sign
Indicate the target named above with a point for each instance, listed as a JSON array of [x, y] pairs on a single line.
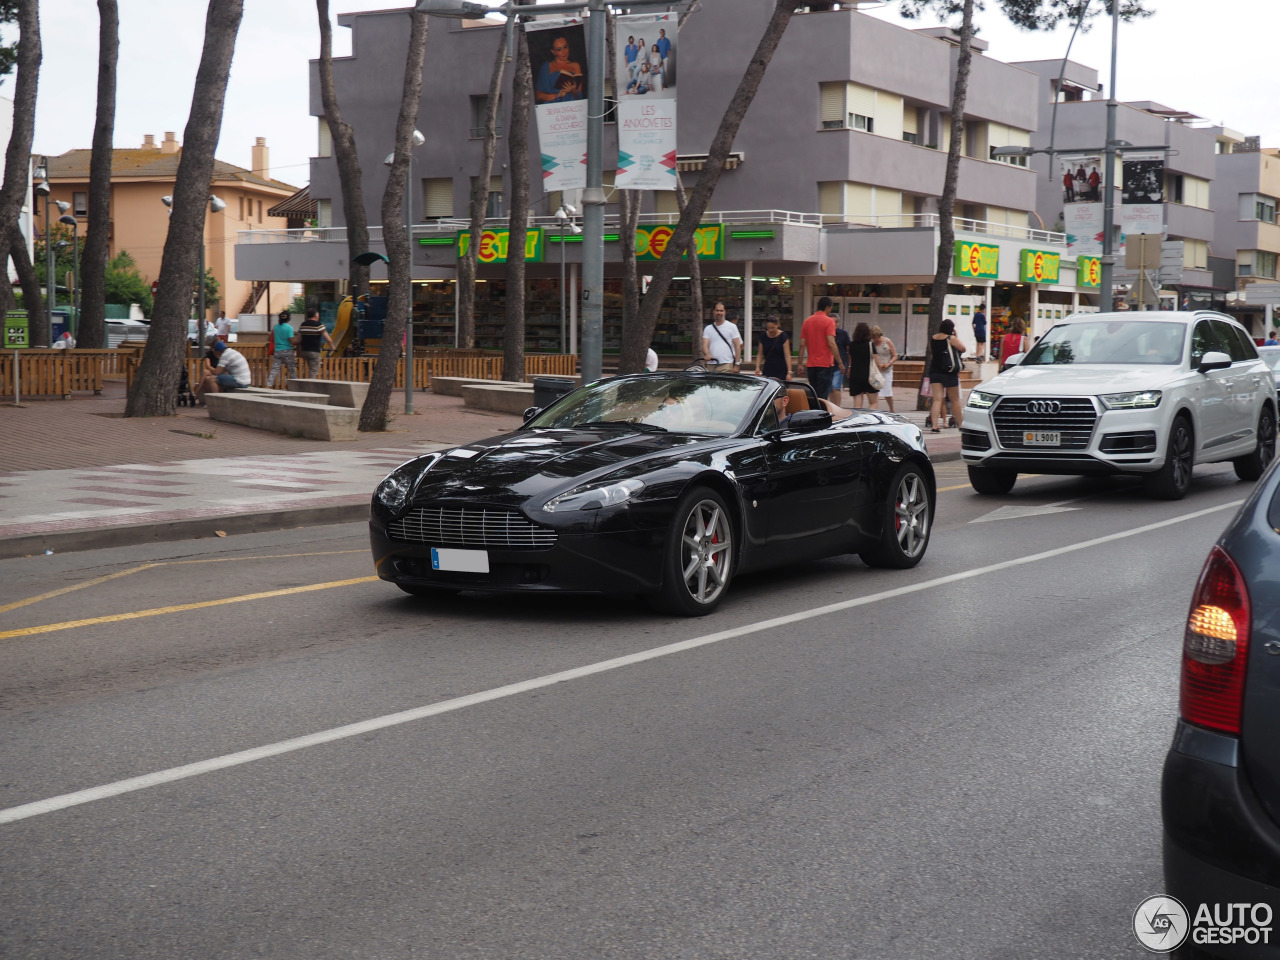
[[1088, 271], [977, 260], [494, 243], [708, 241], [1038, 266]]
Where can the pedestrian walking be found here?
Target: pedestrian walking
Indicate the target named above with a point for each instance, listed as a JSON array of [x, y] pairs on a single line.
[[818, 353], [312, 334], [283, 339], [721, 340], [858, 378], [773, 359], [886, 357], [946, 351], [980, 334]]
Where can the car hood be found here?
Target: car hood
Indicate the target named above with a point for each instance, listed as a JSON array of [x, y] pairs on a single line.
[[1079, 380], [515, 467]]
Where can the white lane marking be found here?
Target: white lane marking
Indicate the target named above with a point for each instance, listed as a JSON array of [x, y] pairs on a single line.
[[12, 814], [1010, 512]]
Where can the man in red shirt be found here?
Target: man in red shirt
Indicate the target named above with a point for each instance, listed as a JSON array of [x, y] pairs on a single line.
[[818, 353]]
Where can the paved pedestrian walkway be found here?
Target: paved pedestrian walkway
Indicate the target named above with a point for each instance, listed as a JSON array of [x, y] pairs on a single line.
[[76, 474]]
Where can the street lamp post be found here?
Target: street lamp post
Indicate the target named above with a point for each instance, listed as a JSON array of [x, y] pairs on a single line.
[[593, 195], [418, 140], [564, 217], [74, 321], [216, 204], [45, 189]]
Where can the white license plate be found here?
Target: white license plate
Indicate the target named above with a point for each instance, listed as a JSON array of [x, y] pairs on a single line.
[[460, 561], [1042, 438]]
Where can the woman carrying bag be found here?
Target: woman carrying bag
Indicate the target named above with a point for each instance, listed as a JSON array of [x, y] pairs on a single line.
[[946, 352], [859, 379]]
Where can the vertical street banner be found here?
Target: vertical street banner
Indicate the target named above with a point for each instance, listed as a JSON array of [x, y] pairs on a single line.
[[646, 82], [558, 56], [1082, 202], [1142, 193]]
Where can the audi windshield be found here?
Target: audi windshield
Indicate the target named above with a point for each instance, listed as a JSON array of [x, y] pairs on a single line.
[[1110, 341]]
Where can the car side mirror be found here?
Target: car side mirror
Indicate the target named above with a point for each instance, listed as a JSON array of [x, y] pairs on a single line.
[[1013, 361], [1214, 360], [531, 412], [807, 421]]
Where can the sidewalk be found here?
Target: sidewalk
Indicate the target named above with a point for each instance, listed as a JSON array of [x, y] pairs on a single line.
[[76, 475]]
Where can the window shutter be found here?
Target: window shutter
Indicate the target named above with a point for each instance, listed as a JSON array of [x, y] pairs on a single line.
[[910, 122], [861, 100], [439, 198], [833, 104]]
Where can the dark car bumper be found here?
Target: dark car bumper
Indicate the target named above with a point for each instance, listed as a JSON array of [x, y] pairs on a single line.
[[613, 562], [1220, 846]]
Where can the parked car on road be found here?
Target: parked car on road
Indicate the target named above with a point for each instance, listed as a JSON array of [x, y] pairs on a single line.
[[1220, 796], [1271, 357], [663, 484], [119, 331], [1151, 394]]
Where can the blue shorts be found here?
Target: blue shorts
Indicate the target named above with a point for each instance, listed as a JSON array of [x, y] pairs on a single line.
[[837, 380], [227, 382]]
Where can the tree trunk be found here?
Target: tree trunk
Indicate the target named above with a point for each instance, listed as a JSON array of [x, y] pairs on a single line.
[[518, 143], [947, 202], [628, 217], [396, 237], [348, 160], [479, 204], [17, 172], [155, 389], [695, 279], [635, 342], [93, 262]]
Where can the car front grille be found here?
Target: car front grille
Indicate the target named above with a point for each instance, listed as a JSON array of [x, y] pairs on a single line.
[[471, 527], [1074, 419]]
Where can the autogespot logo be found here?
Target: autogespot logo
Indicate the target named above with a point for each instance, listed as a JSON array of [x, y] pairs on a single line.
[[1161, 924]]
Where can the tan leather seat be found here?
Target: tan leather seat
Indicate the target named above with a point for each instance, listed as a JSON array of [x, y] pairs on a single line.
[[797, 399]]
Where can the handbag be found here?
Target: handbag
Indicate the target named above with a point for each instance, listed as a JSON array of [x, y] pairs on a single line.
[[874, 375], [955, 360]]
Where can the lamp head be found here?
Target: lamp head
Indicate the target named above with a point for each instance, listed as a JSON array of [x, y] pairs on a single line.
[[569, 208], [390, 159], [62, 206], [575, 229], [43, 188], [62, 244], [69, 221], [216, 203], [561, 216], [418, 138], [167, 201]]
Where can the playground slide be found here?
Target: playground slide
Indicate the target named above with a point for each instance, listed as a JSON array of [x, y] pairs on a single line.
[[344, 328]]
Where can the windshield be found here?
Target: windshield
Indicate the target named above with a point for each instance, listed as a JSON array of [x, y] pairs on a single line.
[[1110, 341], [683, 404]]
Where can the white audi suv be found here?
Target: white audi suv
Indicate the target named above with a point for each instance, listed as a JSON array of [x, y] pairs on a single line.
[[1143, 393]]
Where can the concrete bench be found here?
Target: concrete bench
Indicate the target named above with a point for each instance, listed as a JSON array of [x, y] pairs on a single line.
[[297, 396], [452, 386], [341, 393], [316, 421], [498, 397]]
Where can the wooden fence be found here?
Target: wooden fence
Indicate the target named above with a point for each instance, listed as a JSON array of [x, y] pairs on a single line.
[[59, 373]]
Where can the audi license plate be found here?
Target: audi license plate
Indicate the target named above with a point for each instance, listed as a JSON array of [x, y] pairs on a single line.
[[1042, 438], [460, 561]]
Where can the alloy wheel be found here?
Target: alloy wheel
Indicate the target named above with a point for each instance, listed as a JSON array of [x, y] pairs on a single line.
[[1180, 454], [911, 514], [707, 551]]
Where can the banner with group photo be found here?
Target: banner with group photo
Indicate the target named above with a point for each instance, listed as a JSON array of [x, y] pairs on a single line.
[[646, 82], [1142, 193], [558, 55], [1082, 213]]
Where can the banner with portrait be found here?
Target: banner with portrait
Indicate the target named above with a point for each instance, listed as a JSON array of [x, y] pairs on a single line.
[[1142, 193], [1082, 182], [558, 56], [646, 83]]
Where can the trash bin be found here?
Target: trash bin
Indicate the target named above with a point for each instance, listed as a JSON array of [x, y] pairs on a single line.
[[547, 390]]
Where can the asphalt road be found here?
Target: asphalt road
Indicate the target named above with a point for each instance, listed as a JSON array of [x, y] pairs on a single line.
[[956, 761]]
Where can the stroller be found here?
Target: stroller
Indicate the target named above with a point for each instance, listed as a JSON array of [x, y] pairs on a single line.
[[186, 398]]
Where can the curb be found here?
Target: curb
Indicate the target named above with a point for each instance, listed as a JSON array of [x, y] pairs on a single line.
[[73, 541]]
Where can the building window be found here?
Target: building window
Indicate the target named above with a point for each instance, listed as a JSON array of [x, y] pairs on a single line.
[[859, 122], [1264, 264], [241, 217], [438, 197], [324, 137], [80, 204], [479, 105], [494, 206], [259, 211], [1265, 209], [910, 137], [1174, 188]]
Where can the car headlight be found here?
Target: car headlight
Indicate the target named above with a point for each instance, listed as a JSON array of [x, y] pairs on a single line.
[[1141, 399], [593, 498], [394, 490], [982, 400]]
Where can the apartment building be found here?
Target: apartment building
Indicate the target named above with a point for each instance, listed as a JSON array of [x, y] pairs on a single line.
[[832, 189]]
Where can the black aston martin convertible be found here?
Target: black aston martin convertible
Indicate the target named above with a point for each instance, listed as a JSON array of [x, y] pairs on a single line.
[[663, 484]]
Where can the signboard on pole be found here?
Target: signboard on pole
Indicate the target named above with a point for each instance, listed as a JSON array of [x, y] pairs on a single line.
[[646, 72], [1088, 271], [17, 330], [558, 55], [1142, 193], [1082, 212]]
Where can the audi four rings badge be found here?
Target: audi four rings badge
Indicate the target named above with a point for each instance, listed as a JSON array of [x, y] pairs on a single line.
[[1044, 406]]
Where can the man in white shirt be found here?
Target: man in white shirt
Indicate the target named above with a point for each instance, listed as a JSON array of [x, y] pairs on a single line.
[[231, 373], [223, 325], [721, 340]]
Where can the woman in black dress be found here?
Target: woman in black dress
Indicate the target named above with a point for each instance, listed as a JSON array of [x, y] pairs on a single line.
[[773, 359], [943, 380], [858, 381]]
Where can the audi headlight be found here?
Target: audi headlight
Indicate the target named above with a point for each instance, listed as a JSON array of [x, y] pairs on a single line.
[[1142, 399], [593, 498], [982, 400]]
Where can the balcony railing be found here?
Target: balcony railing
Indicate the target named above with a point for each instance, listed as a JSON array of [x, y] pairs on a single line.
[[338, 235]]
